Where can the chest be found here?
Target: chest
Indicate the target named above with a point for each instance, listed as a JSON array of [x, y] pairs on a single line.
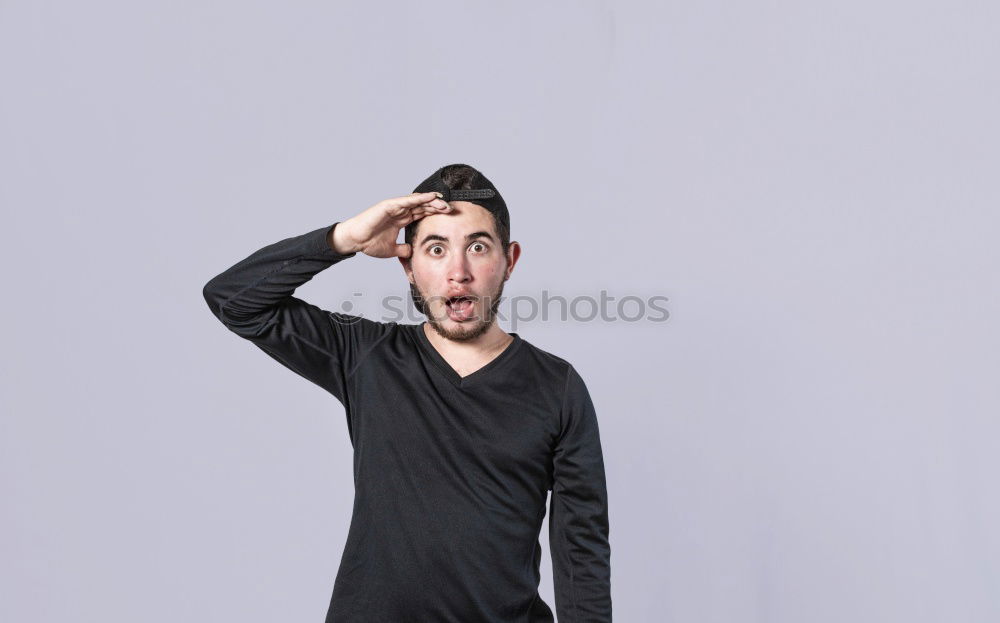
[[411, 417]]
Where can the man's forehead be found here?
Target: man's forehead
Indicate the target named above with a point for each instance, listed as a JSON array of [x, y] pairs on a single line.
[[464, 222], [468, 207]]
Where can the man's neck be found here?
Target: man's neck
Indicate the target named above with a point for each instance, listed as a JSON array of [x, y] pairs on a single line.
[[486, 345]]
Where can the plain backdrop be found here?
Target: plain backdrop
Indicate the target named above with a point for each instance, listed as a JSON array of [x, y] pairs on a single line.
[[812, 435]]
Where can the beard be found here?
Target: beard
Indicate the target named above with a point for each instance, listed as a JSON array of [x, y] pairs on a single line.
[[465, 331]]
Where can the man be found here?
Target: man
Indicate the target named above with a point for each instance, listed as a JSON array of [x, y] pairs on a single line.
[[459, 429]]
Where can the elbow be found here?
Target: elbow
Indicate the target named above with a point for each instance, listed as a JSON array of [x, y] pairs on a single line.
[[213, 297], [245, 324]]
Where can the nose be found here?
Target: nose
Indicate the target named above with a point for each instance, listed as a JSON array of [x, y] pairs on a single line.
[[458, 269]]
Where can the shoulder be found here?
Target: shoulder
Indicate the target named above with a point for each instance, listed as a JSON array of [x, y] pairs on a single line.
[[358, 335], [575, 408], [555, 369]]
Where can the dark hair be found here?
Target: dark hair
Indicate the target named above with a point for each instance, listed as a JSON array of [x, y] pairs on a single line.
[[459, 177]]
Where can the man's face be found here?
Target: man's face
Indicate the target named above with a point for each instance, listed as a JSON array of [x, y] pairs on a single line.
[[458, 269]]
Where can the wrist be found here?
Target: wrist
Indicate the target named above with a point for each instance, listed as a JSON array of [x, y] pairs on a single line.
[[340, 241]]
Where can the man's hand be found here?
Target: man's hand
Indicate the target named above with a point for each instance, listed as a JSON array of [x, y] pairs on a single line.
[[374, 231]]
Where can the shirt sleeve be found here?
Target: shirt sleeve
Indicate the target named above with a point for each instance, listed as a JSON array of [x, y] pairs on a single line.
[[578, 517], [253, 299]]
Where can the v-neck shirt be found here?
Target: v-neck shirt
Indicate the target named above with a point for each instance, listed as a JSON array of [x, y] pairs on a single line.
[[482, 372], [451, 473]]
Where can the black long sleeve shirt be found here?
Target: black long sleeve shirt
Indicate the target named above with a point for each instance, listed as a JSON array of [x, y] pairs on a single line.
[[451, 473]]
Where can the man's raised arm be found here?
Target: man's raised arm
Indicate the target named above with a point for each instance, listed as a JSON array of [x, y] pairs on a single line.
[[253, 298]]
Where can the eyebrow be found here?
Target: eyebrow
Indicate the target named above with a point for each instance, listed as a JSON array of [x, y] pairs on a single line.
[[469, 238]]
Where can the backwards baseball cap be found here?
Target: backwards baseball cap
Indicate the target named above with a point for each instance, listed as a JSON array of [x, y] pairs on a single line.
[[479, 190]]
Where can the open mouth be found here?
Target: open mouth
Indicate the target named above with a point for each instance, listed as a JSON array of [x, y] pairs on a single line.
[[460, 307], [459, 301]]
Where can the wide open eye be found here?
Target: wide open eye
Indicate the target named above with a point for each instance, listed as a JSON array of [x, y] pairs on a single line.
[[433, 247], [482, 247]]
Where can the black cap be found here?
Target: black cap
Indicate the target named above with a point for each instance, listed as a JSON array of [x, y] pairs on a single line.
[[481, 192]]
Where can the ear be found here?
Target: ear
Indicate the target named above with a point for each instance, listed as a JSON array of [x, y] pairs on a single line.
[[513, 253], [407, 267]]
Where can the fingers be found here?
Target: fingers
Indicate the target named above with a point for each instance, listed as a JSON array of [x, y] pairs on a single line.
[[413, 206], [431, 199], [432, 208], [415, 199], [419, 212], [403, 250]]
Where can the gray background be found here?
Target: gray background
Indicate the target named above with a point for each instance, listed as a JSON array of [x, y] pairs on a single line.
[[811, 436]]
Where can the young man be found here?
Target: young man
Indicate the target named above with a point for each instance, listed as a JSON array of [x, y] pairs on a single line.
[[459, 429]]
